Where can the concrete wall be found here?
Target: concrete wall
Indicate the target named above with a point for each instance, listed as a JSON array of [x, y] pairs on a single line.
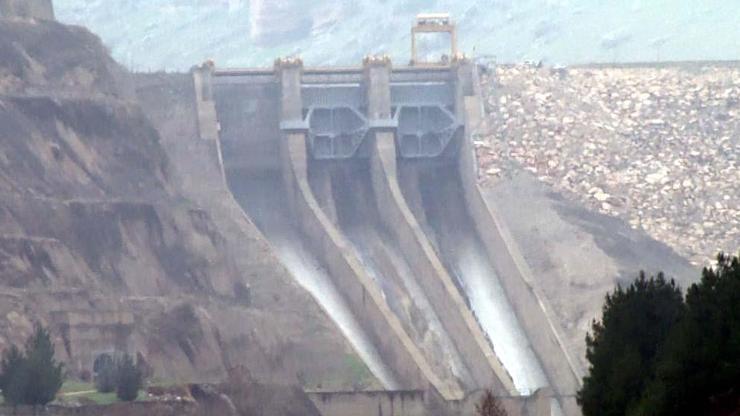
[[418, 403], [249, 125], [371, 403], [27, 9], [205, 107], [457, 318], [532, 309]]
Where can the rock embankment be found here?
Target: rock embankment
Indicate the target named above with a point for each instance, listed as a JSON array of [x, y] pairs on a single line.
[[656, 146]]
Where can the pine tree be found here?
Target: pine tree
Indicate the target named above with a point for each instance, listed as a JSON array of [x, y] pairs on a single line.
[[489, 406], [700, 370], [105, 373], [13, 376], [623, 346], [45, 374], [129, 380], [33, 378]]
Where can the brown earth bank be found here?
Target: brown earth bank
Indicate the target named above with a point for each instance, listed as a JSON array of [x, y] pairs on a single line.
[[102, 239]]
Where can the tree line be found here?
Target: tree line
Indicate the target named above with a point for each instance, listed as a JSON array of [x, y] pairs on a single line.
[[34, 377], [656, 352]]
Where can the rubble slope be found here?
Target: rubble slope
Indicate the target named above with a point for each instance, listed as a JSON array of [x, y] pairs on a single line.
[[658, 146]]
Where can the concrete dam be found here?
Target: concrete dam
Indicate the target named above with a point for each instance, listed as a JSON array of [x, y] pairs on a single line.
[[364, 181]]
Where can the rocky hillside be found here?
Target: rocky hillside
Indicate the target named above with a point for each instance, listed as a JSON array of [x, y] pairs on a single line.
[[658, 147], [100, 240]]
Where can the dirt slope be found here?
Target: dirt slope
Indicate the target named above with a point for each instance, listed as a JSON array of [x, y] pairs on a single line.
[[99, 239]]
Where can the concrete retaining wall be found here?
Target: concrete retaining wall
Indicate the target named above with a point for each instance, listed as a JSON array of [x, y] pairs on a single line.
[[381, 403], [417, 403]]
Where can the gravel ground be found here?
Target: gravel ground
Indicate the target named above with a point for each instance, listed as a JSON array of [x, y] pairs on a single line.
[[656, 146]]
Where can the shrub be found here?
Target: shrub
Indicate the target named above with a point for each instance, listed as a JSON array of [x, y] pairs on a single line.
[[129, 380], [489, 406]]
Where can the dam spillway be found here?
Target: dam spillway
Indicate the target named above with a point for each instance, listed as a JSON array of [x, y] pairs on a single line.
[[363, 181]]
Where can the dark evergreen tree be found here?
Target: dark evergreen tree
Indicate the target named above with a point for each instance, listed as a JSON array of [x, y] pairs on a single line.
[[33, 378], [490, 406], [129, 380], [104, 368], [622, 347], [13, 376], [45, 375], [700, 370]]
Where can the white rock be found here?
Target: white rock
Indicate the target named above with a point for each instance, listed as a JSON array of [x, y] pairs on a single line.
[[601, 196]]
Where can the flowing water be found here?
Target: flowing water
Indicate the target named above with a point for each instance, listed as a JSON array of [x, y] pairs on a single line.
[[264, 200]]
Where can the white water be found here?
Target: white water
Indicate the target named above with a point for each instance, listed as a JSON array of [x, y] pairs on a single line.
[[492, 309], [316, 281]]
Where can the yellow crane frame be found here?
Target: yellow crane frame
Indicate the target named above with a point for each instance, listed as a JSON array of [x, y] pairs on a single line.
[[433, 23]]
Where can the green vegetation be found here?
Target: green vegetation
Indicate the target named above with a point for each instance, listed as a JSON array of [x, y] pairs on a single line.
[[129, 379], [81, 391], [105, 372], [121, 376], [624, 344], [489, 406], [75, 386], [32, 377], [655, 353]]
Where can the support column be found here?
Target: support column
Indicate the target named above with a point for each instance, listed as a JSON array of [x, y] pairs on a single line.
[[294, 130], [204, 105]]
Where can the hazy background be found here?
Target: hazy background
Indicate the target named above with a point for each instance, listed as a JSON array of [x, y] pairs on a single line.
[[175, 34]]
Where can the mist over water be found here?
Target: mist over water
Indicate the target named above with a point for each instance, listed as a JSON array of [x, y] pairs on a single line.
[[264, 200], [309, 274]]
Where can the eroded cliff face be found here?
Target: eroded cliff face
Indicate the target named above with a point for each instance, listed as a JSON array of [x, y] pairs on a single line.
[[102, 239]]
